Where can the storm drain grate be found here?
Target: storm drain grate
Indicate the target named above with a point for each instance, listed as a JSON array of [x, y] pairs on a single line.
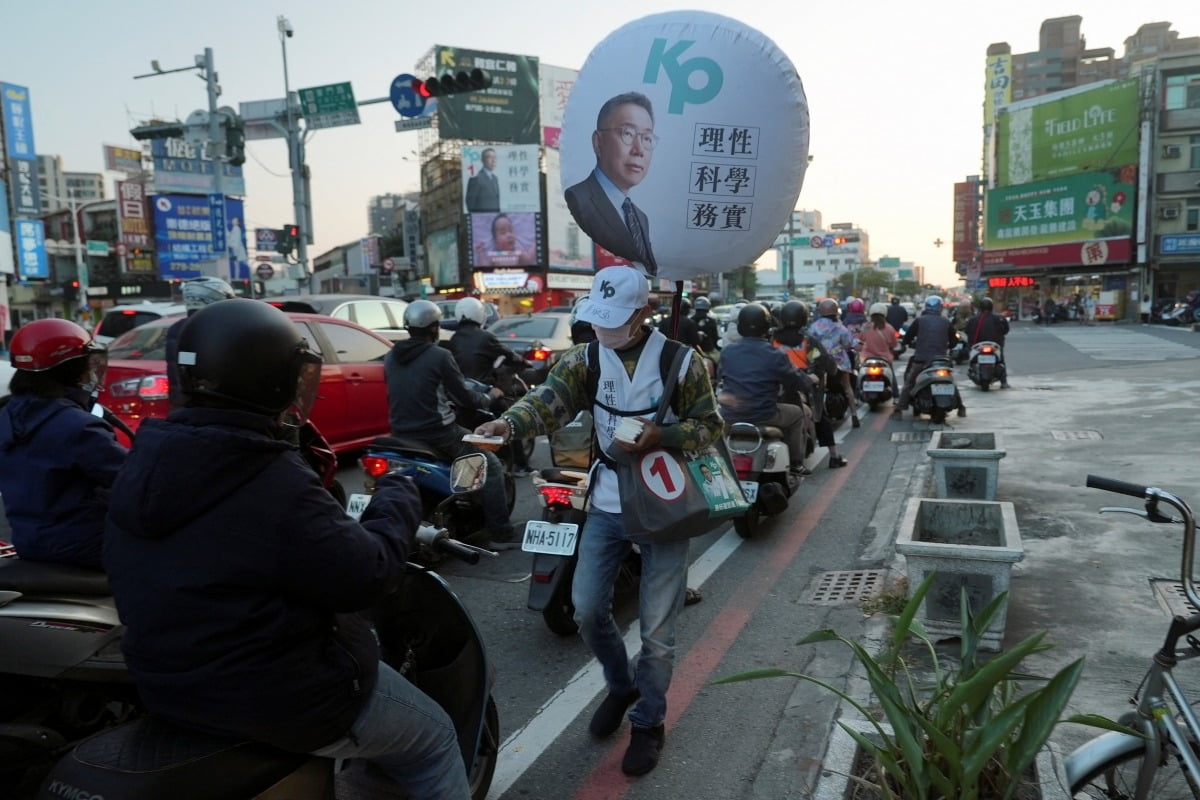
[[1171, 597], [1064, 436], [912, 436], [844, 586]]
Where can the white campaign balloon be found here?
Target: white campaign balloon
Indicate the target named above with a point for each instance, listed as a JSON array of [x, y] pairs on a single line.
[[684, 143]]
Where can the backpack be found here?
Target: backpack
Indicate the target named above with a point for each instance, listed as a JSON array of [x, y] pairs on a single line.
[[670, 348]]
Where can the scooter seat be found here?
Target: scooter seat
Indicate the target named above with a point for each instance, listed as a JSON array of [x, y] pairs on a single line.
[[404, 444], [766, 431], [556, 475], [150, 759], [41, 577]]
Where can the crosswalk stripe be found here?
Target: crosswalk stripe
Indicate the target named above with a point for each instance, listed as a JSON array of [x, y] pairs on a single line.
[[1122, 344]]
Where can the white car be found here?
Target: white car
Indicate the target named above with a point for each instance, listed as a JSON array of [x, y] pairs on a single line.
[[119, 319]]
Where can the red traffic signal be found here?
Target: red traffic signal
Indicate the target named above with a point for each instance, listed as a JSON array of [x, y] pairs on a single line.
[[452, 83]]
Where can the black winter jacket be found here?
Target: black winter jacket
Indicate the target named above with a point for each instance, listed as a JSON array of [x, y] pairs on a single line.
[[237, 575], [424, 386], [475, 350], [933, 334], [986, 326]]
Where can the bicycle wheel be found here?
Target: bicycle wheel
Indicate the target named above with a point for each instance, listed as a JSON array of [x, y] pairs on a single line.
[[1116, 779]]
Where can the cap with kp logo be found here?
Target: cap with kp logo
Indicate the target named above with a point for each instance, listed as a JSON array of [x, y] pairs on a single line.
[[616, 293]]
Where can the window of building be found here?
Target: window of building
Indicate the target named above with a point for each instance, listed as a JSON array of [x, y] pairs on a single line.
[[1194, 152], [1191, 214], [1182, 91]]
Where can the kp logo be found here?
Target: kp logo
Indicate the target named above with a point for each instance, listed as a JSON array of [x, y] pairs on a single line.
[[607, 289], [682, 91]]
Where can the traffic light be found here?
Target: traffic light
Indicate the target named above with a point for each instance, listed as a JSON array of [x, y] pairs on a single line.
[[286, 241], [235, 140], [452, 83], [158, 130]]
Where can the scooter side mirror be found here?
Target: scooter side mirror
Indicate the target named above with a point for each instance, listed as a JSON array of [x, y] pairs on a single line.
[[468, 473]]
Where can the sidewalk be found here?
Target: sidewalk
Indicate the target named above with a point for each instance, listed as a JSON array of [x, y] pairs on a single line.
[[1086, 578]]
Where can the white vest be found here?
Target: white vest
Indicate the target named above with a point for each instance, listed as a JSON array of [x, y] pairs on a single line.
[[618, 390]]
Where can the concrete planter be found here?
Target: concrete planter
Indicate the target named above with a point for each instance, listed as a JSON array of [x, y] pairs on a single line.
[[966, 466], [969, 543], [843, 750]]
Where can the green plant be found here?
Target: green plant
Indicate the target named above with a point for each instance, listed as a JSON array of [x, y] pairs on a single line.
[[968, 734]]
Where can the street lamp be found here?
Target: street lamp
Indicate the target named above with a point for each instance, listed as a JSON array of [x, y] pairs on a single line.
[[295, 153]]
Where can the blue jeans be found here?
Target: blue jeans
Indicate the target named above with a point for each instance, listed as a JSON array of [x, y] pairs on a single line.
[[408, 737], [602, 548]]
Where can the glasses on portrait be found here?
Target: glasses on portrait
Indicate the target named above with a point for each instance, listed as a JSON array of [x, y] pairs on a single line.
[[628, 133]]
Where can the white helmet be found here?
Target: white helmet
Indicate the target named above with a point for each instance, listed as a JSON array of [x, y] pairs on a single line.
[[879, 308], [204, 291], [470, 309]]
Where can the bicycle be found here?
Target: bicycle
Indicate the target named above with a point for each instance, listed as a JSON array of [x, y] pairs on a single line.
[[1164, 762]]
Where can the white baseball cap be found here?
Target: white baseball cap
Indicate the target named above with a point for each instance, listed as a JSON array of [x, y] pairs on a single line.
[[616, 293]]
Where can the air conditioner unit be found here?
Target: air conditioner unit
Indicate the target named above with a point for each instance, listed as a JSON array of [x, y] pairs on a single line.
[[1169, 212], [1171, 151]]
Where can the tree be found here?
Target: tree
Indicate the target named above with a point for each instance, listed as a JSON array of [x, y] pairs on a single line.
[[906, 287], [744, 281]]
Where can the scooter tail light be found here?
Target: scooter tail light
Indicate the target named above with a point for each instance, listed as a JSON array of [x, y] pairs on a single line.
[[942, 373], [987, 350], [538, 354], [742, 465], [874, 371], [556, 495], [374, 466]]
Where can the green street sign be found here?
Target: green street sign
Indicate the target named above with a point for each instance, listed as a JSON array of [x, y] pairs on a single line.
[[329, 106], [99, 249], [800, 241]]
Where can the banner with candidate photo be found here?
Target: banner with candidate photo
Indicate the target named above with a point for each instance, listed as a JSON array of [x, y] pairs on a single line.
[[668, 160], [505, 112], [187, 243], [501, 178], [569, 248]]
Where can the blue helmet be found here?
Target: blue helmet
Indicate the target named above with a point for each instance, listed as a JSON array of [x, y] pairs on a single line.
[[933, 303]]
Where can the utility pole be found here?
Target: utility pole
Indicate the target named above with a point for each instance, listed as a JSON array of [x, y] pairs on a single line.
[[295, 154], [214, 121]]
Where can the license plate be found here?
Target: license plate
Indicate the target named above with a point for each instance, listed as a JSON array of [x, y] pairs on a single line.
[[555, 538], [872, 386], [750, 490], [987, 359], [357, 504], [942, 388]]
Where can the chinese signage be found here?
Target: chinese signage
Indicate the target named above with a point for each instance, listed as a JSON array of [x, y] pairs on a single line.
[[1074, 208], [1179, 244], [18, 122], [122, 159], [966, 220], [186, 168], [25, 190], [505, 112], [667, 160], [133, 219], [503, 197], [31, 249], [328, 106], [184, 237], [997, 89], [555, 87], [1076, 132], [6, 259], [1011, 282]]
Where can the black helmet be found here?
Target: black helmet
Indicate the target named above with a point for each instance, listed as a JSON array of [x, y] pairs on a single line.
[[754, 320], [703, 304], [794, 314], [985, 304], [247, 354], [685, 306]]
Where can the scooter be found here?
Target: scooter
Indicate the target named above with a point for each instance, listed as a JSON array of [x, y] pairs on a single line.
[[934, 392], [985, 364], [761, 459], [877, 381], [425, 633], [959, 350]]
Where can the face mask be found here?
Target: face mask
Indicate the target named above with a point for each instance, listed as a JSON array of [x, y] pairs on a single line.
[[615, 338]]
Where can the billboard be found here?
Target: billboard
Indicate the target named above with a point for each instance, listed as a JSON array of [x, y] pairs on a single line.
[[1075, 131], [501, 178], [18, 122], [184, 237], [570, 249], [26, 193], [31, 249], [441, 253], [1086, 218], [186, 168], [506, 239], [505, 112], [997, 87], [966, 220], [6, 250], [555, 85], [122, 159]]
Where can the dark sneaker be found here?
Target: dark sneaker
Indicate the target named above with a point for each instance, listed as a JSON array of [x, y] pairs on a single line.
[[799, 470], [692, 596], [836, 462], [608, 716], [898, 411], [962, 412], [854, 423], [645, 746]]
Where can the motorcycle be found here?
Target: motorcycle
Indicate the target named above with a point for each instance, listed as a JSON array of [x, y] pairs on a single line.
[[985, 365], [425, 633], [761, 459], [554, 538], [877, 382], [959, 350], [1178, 314], [934, 392]]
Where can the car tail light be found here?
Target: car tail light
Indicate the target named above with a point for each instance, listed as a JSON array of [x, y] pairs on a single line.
[[742, 465], [374, 466], [556, 495], [147, 387], [874, 371], [538, 354], [942, 373]]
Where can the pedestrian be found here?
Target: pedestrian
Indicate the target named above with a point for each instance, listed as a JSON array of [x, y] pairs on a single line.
[[1089, 309], [617, 309], [1145, 309]]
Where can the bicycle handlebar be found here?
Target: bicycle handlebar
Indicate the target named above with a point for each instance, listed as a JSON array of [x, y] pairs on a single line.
[[1153, 495]]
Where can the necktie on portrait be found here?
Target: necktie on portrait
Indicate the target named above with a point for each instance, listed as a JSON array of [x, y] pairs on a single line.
[[635, 230]]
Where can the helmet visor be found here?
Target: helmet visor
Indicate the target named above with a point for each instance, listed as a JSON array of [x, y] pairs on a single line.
[[97, 357], [308, 380]]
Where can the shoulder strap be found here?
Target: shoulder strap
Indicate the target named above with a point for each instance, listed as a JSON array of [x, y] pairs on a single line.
[[669, 383]]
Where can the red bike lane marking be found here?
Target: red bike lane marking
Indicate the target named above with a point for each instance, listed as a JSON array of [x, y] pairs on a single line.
[[692, 673]]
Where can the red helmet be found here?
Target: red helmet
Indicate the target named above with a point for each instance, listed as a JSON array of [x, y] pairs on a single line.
[[45, 343], [855, 307]]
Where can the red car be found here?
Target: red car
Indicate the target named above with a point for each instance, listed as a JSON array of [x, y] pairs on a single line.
[[351, 407]]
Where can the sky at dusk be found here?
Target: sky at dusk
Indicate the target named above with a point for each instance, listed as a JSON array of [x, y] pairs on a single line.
[[895, 90]]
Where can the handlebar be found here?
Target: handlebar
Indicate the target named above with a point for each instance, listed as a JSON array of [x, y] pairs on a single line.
[[438, 539], [1153, 497]]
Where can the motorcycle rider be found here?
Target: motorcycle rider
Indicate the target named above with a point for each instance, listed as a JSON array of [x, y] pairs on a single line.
[[807, 353], [707, 326], [617, 309], [753, 373], [424, 384], [197, 293], [897, 314], [57, 460], [839, 343], [934, 336], [238, 577], [987, 326], [476, 351], [688, 332], [878, 338], [855, 318]]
